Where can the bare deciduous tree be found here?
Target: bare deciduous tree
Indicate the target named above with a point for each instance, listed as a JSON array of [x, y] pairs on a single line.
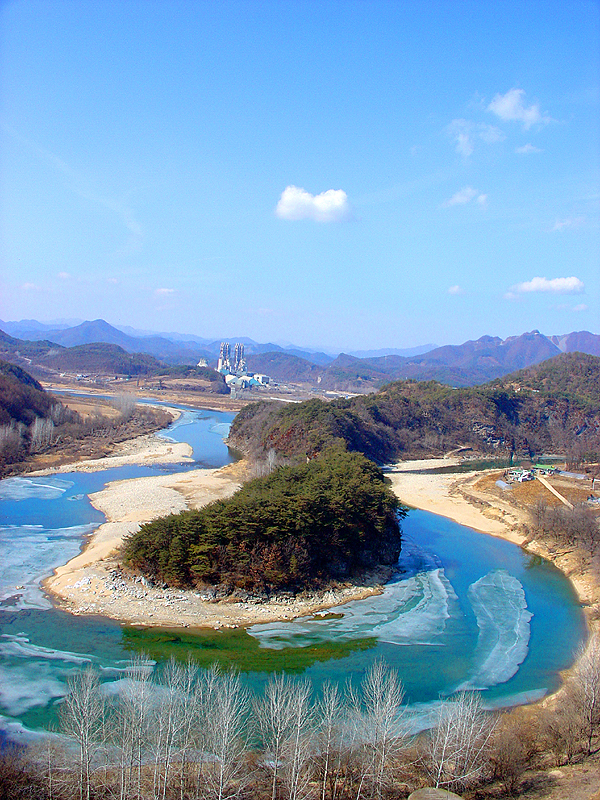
[[41, 433], [381, 733], [587, 685], [298, 747], [331, 738], [82, 716], [561, 728], [284, 715], [130, 726], [168, 725], [514, 747], [457, 746], [125, 404], [223, 719]]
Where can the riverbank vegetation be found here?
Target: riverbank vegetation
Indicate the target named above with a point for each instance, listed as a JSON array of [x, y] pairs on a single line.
[[298, 527], [37, 429], [548, 408], [188, 733], [569, 529]]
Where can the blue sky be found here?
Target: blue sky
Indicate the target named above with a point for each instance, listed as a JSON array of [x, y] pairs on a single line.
[[334, 174]]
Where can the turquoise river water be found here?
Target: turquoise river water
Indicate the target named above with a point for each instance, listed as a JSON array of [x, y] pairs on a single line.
[[464, 611]]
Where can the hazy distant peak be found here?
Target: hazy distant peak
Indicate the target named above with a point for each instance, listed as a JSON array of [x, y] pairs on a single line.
[[394, 351]]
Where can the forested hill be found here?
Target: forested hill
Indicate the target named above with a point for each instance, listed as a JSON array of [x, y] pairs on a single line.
[[22, 398], [35, 425], [569, 376], [298, 527], [551, 407]]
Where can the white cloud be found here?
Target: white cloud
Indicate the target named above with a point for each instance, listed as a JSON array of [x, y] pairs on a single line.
[[64, 276], [464, 196], [461, 197], [580, 307], [296, 203], [570, 285], [30, 287], [527, 149], [163, 292], [511, 108], [456, 289], [490, 134], [465, 133], [574, 222]]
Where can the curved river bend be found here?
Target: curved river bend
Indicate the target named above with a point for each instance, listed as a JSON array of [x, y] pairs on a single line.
[[464, 611]]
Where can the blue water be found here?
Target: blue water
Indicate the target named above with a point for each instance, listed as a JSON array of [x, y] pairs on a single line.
[[204, 431], [465, 610]]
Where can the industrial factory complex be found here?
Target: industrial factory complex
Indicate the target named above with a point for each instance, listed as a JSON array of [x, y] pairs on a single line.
[[235, 370]]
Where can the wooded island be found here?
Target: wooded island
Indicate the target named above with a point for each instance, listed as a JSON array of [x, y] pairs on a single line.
[[299, 527]]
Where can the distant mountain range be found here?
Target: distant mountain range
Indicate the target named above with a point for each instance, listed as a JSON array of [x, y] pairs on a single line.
[[470, 363], [172, 348]]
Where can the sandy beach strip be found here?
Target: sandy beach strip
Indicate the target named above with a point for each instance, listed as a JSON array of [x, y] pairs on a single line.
[[443, 494]]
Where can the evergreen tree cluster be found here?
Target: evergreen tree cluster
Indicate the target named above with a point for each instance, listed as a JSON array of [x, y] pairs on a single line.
[[299, 527]]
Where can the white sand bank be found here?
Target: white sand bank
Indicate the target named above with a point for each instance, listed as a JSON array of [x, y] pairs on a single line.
[[442, 494], [146, 449]]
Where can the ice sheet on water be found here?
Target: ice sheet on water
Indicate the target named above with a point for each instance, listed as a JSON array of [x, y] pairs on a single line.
[[29, 553], [28, 685], [185, 418], [147, 666], [517, 699], [23, 488], [19, 646], [221, 428], [422, 716], [499, 603], [17, 733], [412, 610]]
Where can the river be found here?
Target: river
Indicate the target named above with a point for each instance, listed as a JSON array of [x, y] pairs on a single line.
[[464, 611]]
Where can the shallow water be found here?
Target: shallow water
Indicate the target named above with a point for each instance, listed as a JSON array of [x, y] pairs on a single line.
[[465, 610]]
